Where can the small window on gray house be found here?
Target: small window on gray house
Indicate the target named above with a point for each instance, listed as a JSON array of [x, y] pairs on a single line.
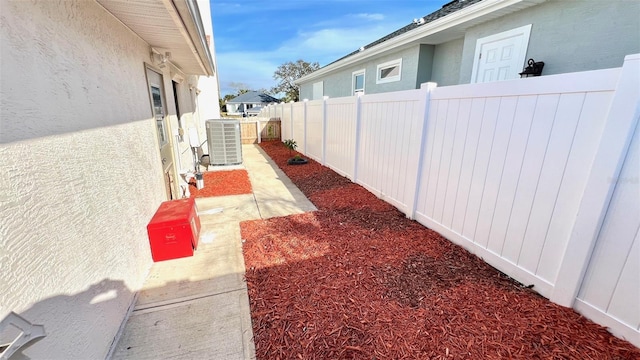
[[358, 82], [389, 71]]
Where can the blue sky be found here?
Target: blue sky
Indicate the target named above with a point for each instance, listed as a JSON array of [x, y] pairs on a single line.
[[252, 38]]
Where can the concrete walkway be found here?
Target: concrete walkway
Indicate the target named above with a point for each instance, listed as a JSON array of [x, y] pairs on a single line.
[[198, 307]]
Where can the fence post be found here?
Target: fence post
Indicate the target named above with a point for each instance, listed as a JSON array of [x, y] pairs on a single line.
[[258, 130], [357, 142], [291, 133], [305, 102], [324, 130], [414, 187], [614, 144]]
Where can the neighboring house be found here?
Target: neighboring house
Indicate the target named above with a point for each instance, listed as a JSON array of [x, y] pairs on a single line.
[[97, 99], [468, 41], [243, 104]]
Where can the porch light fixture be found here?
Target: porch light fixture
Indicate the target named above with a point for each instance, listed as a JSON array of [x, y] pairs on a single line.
[[164, 58], [533, 69], [160, 57]]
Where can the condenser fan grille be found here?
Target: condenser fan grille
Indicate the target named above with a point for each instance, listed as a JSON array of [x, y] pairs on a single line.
[[223, 138]]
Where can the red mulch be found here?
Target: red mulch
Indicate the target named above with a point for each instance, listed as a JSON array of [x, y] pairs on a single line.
[[220, 183], [358, 280]]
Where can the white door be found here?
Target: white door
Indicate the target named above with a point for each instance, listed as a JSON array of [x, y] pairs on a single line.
[[501, 56]]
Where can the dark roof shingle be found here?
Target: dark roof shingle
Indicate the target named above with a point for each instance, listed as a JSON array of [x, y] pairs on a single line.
[[446, 9], [253, 97]]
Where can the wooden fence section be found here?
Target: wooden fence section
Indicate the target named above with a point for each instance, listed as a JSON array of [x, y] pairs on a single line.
[[248, 132], [255, 131], [270, 130], [531, 175]]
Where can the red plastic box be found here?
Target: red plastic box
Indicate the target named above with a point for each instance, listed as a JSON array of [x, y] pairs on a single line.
[[174, 230]]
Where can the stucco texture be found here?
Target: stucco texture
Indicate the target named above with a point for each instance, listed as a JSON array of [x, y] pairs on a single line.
[[80, 175], [446, 62]]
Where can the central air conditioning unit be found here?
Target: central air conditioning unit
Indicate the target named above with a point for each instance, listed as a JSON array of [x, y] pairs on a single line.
[[223, 139]]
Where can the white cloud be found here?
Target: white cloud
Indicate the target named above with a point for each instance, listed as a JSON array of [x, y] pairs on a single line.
[[326, 45], [366, 16], [252, 68], [329, 44]]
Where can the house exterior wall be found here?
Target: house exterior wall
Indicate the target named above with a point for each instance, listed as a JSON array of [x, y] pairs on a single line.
[[239, 108], [80, 175], [339, 83], [208, 106], [590, 35], [197, 101], [189, 118], [425, 64], [306, 89], [232, 108], [446, 62]]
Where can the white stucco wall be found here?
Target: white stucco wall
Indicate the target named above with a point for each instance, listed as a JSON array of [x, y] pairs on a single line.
[[80, 173], [208, 105]]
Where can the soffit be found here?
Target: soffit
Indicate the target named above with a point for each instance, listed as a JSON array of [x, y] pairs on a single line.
[[165, 25]]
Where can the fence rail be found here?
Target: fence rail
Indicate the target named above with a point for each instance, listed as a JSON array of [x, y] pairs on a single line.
[[518, 172]]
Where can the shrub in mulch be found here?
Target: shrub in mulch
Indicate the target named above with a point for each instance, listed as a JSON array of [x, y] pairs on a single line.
[[358, 280], [220, 183]]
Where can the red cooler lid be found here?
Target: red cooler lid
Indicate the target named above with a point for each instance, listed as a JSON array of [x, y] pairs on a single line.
[[174, 212]]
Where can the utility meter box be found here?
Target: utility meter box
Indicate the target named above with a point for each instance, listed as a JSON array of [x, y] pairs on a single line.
[[174, 230]]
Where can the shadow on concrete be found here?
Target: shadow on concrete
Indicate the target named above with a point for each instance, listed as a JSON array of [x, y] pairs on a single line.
[[100, 307]]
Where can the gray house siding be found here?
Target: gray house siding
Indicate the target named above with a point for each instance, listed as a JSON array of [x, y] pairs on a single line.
[[339, 83], [447, 58], [568, 36], [425, 64], [306, 90]]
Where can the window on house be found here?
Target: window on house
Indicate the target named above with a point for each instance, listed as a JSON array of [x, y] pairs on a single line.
[[389, 71], [358, 82], [158, 111]]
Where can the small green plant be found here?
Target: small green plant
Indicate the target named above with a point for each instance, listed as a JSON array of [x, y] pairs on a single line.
[[291, 145]]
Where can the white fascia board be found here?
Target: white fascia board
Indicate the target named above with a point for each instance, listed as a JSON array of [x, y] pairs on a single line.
[[189, 24], [472, 12]]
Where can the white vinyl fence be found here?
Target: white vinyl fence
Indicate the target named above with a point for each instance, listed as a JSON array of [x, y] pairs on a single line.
[[540, 177]]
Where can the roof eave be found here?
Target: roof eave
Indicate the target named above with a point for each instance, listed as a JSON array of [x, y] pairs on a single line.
[[199, 37], [168, 26], [472, 14]]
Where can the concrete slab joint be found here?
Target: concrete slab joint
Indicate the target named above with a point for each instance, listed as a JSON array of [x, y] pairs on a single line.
[[198, 307]]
